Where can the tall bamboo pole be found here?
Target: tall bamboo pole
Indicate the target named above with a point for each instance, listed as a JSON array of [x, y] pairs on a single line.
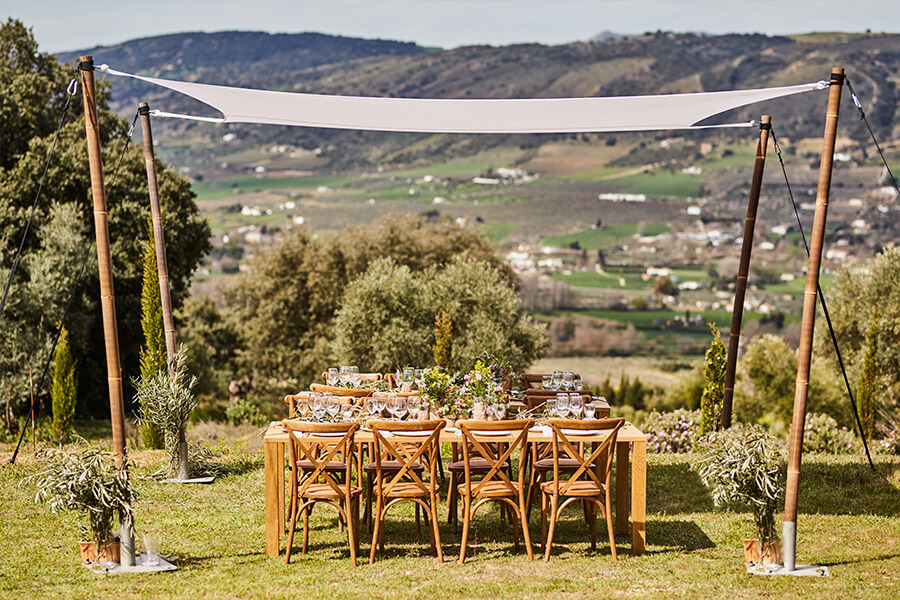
[[740, 287], [162, 266], [789, 527], [104, 259], [107, 294]]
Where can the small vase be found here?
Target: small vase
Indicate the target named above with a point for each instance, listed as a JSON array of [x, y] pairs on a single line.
[[752, 553], [88, 554], [112, 553]]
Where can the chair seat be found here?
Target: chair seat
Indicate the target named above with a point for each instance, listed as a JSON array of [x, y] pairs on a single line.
[[493, 489], [319, 491], [578, 488], [392, 465], [407, 490], [566, 465], [331, 467], [476, 465]]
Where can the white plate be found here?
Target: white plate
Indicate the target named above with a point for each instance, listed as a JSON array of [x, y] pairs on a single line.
[[412, 433], [328, 434], [581, 431], [498, 433]]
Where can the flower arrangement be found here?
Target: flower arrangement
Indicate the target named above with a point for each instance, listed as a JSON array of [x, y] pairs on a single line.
[[501, 371]]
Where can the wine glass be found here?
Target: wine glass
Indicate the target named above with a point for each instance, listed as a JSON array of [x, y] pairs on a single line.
[[332, 406], [355, 377], [556, 380], [545, 382], [578, 384], [347, 411], [562, 405], [332, 376], [590, 409], [550, 406], [408, 377], [345, 375], [373, 402], [419, 375], [576, 404], [499, 410], [398, 404], [317, 404], [568, 381], [415, 408], [303, 407]]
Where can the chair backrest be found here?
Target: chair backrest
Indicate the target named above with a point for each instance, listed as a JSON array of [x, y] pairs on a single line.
[[397, 441], [534, 380], [341, 391], [320, 443], [479, 445], [565, 430]]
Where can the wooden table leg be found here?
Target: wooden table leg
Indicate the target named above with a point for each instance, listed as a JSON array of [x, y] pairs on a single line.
[[622, 486], [274, 492], [639, 498]]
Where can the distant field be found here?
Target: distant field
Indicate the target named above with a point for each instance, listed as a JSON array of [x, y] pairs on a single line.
[[496, 232], [662, 183], [608, 237]]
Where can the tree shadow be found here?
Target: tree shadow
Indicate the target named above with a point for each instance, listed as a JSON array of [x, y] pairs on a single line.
[[674, 489], [678, 535], [831, 487]]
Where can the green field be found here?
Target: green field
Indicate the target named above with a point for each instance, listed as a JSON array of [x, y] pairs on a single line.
[[606, 238]]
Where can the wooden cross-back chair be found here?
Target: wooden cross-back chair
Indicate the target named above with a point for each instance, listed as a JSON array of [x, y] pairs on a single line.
[[589, 482], [318, 483], [495, 484], [399, 478]]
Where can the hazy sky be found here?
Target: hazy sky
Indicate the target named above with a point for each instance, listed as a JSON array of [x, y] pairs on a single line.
[[79, 24]]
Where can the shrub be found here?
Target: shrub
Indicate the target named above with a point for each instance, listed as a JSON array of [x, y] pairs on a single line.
[[671, 431], [714, 388], [822, 434], [64, 389]]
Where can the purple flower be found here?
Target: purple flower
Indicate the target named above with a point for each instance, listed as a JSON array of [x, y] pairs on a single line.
[[478, 376]]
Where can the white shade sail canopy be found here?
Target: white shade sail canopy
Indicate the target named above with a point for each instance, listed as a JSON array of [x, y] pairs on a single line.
[[544, 115]]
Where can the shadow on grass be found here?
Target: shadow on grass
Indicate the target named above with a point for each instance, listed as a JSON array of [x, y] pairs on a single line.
[[678, 535], [674, 489], [861, 560]]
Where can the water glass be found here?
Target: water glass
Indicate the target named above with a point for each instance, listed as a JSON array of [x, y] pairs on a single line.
[[550, 406], [499, 410], [590, 409], [317, 404], [545, 382], [412, 403], [419, 375], [355, 377], [578, 384], [151, 551], [332, 405], [398, 407], [345, 375], [568, 380], [303, 407], [347, 411]]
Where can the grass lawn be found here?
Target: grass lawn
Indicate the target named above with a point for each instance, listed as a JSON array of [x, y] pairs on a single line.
[[608, 237], [850, 521]]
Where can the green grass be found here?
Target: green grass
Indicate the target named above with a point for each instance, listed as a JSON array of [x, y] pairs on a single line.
[[662, 183], [608, 237], [224, 188], [496, 232], [849, 520]]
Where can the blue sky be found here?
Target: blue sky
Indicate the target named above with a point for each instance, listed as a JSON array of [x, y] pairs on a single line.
[[73, 25]]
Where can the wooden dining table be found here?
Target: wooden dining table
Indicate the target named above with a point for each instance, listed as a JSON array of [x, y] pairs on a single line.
[[631, 445]]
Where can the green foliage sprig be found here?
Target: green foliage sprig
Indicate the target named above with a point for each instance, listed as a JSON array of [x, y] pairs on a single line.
[[742, 465], [88, 482]]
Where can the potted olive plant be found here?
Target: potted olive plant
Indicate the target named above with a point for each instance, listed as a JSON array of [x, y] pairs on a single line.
[[742, 466], [88, 482]]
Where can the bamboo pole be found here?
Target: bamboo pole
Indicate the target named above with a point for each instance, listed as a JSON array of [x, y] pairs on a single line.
[[740, 288], [162, 267], [104, 259], [789, 527]]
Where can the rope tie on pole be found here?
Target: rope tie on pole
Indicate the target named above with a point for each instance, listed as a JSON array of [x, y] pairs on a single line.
[[821, 295], [862, 116], [70, 91]]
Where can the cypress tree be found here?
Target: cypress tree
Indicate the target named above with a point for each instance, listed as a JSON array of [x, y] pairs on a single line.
[[153, 352], [443, 339], [64, 389], [714, 389]]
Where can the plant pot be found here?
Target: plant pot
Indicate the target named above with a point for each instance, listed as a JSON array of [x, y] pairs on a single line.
[[752, 553], [112, 553], [88, 554]]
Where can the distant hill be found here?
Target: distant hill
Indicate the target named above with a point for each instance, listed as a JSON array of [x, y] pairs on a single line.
[[646, 64]]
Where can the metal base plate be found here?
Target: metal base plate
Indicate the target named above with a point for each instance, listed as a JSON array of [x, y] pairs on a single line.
[[799, 570]]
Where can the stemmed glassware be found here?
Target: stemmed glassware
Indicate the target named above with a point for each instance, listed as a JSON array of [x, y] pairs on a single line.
[[412, 403], [562, 405], [556, 380], [576, 404], [397, 406], [498, 409], [376, 404], [345, 375], [332, 405], [347, 411], [303, 407], [407, 378], [550, 406], [590, 409], [568, 382], [545, 382], [317, 404], [332, 376], [355, 377], [419, 375], [578, 384]]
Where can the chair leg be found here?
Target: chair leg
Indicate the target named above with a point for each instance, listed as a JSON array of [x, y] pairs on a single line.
[[367, 515], [356, 530], [306, 511], [609, 527], [515, 526], [593, 524], [465, 532], [418, 524], [377, 530], [525, 533], [543, 520], [287, 554], [452, 503], [554, 502], [351, 534], [436, 536]]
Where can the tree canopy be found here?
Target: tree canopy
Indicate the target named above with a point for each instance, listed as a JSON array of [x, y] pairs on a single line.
[[32, 94]]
